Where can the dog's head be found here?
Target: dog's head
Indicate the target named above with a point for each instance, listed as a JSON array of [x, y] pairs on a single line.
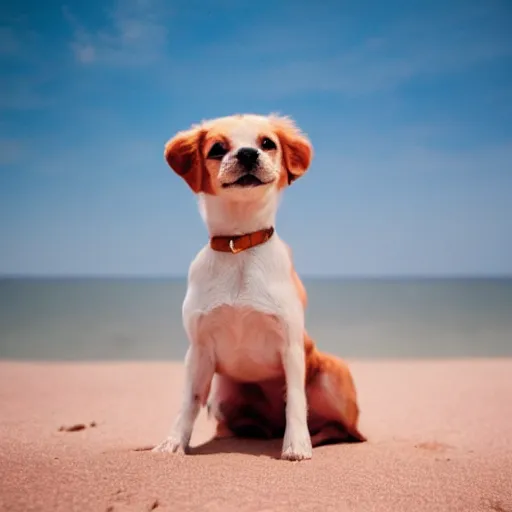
[[240, 156]]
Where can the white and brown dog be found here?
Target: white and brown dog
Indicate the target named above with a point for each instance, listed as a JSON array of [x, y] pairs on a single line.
[[250, 359]]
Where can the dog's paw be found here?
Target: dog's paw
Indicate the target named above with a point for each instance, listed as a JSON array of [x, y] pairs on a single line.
[[297, 449], [171, 445], [296, 454]]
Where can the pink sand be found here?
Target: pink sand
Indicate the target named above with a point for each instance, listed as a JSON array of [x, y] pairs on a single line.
[[440, 439]]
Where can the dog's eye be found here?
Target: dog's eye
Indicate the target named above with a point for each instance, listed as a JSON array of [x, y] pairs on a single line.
[[217, 151], [268, 144]]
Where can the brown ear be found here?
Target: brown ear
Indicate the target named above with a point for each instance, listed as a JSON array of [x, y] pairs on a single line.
[[183, 154], [297, 149]]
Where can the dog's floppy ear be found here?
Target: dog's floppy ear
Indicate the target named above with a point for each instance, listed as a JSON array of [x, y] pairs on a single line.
[[183, 154], [297, 149]]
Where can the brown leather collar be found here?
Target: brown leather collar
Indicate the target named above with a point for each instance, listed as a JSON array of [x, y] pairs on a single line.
[[239, 243]]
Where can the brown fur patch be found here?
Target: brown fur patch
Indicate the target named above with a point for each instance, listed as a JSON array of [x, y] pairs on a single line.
[[296, 148], [183, 154]]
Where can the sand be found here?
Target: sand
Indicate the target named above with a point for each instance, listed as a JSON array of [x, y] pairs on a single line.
[[440, 438]]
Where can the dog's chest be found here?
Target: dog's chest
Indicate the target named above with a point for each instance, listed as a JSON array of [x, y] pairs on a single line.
[[238, 305], [245, 343]]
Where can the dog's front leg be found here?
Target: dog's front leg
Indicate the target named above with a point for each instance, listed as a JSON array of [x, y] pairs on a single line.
[[199, 370], [297, 441]]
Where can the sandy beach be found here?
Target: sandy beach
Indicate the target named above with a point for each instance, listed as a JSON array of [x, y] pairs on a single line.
[[73, 437]]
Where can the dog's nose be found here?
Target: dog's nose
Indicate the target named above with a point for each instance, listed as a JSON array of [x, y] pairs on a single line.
[[247, 157]]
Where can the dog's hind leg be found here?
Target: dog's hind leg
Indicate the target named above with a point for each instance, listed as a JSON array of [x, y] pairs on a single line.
[[333, 411]]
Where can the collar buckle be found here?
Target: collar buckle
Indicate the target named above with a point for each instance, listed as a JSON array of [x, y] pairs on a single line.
[[232, 247]]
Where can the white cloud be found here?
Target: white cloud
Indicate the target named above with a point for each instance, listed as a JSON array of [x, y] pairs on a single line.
[[85, 53], [133, 35]]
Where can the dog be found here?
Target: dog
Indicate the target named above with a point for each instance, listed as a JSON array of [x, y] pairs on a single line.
[[250, 360]]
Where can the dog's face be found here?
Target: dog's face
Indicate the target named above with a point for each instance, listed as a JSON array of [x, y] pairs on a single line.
[[240, 156]]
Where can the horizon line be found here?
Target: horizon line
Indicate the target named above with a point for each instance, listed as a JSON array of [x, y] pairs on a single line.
[[481, 275]]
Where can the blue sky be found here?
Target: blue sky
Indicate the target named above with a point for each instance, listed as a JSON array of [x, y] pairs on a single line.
[[408, 105]]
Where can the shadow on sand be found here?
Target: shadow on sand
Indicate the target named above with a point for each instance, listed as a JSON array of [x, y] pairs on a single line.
[[254, 446], [247, 446]]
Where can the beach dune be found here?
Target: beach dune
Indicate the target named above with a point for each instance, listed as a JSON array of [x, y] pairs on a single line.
[[75, 436]]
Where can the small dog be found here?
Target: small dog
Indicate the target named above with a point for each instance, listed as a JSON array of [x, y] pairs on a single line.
[[250, 360]]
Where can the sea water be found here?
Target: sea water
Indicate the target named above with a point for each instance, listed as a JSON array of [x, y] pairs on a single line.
[[140, 318]]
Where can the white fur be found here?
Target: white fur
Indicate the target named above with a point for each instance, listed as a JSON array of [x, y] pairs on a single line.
[[242, 313]]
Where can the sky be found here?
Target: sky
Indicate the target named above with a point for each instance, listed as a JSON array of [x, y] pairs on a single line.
[[408, 105]]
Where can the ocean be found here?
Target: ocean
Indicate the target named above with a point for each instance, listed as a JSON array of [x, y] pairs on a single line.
[[92, 319]]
